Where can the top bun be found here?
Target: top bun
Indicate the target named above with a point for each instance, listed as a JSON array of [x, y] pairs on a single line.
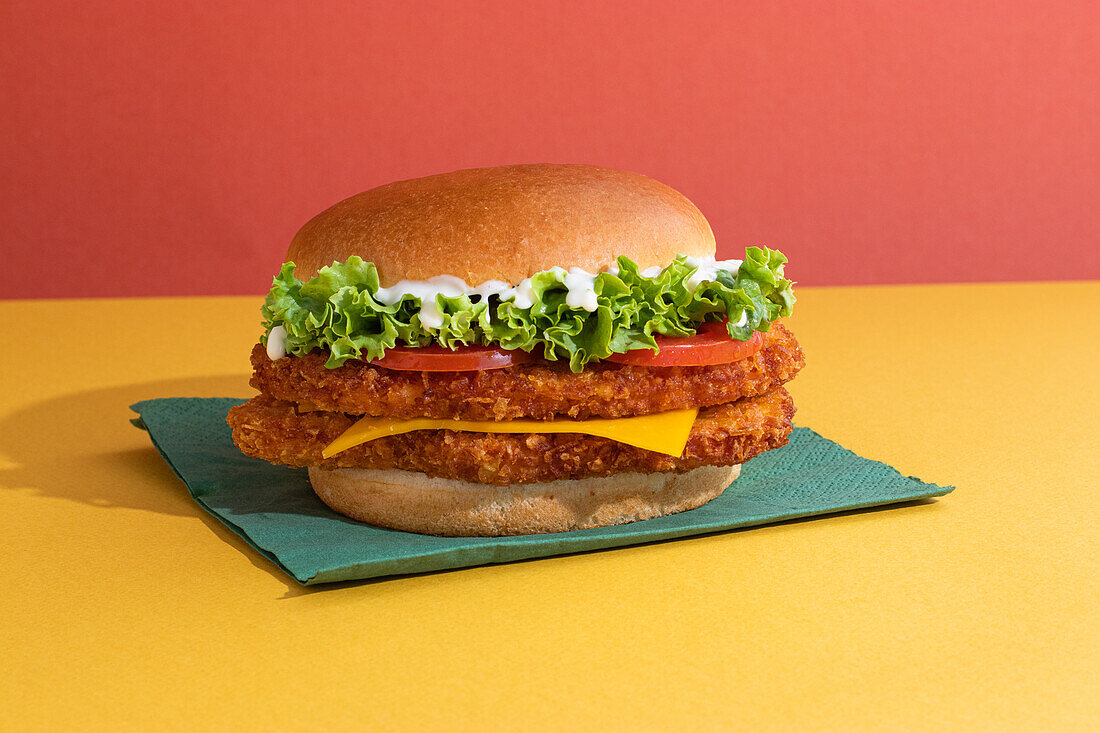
[[505, 223]]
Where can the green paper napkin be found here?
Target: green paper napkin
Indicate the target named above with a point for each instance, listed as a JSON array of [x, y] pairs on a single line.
[[274, 509]]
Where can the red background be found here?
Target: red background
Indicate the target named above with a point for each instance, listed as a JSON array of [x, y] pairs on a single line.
[[174, 148]]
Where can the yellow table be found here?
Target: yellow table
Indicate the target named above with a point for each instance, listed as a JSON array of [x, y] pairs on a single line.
[[123, 605]]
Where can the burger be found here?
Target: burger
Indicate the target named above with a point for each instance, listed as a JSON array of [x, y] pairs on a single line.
[[519, 349]]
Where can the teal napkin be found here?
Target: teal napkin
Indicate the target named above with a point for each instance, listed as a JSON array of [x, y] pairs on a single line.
[[274, 509]]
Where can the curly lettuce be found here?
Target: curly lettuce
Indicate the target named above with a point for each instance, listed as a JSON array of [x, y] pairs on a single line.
[[336, 311]]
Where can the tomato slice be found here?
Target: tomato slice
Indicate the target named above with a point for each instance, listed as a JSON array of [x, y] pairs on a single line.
[[441, 359], [711, 345]]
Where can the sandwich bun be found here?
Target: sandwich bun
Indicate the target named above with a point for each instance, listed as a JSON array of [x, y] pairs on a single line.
[[505, 223], [415, 502]]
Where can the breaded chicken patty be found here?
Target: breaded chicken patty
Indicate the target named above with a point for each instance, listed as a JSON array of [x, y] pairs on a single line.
[[538, 391], [722, 435]]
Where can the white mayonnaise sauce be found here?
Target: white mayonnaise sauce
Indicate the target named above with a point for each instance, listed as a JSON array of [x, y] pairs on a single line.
[[276, 343], [430, 315], [707, 268], [522, 295], [579, 285]]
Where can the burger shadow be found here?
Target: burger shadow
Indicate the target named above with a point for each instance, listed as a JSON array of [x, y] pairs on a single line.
[[81, 447]]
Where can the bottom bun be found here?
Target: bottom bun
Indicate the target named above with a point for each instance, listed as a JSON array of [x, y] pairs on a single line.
[[415, 502]]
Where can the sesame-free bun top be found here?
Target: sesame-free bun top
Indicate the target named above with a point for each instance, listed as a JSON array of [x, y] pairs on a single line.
[[505, 223]]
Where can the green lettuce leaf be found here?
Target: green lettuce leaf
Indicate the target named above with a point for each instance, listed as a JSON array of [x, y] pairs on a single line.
[[336, 311]]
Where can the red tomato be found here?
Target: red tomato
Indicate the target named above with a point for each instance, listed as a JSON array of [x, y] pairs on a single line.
[[441, 359], [711, 345]]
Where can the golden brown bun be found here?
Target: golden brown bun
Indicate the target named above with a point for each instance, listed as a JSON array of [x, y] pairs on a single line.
[[505, 223], [415, 502]]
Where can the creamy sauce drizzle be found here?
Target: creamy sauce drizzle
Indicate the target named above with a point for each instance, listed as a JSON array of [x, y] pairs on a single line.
[[707, 269], [451, 287], [579, 285], [276, 343]]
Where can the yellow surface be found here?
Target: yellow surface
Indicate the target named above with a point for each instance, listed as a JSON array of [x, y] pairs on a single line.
[[663, 432], [125, 606]]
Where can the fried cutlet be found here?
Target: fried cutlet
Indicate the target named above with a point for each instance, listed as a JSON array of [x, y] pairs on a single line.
[[537, 391], [723, 435]]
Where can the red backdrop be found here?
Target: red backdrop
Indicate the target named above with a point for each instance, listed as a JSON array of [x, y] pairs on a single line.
[[174, 148]]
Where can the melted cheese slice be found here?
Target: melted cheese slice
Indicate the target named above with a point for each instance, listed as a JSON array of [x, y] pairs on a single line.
[[662, 432]]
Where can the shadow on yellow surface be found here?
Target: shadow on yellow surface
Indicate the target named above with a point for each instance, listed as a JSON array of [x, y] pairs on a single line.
[[99, 447], [82, 447]]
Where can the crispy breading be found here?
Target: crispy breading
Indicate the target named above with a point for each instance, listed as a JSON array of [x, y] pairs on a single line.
[[723, 435], [538, 391]]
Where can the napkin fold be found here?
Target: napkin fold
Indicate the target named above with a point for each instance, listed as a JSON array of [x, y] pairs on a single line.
[[274, 509]]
